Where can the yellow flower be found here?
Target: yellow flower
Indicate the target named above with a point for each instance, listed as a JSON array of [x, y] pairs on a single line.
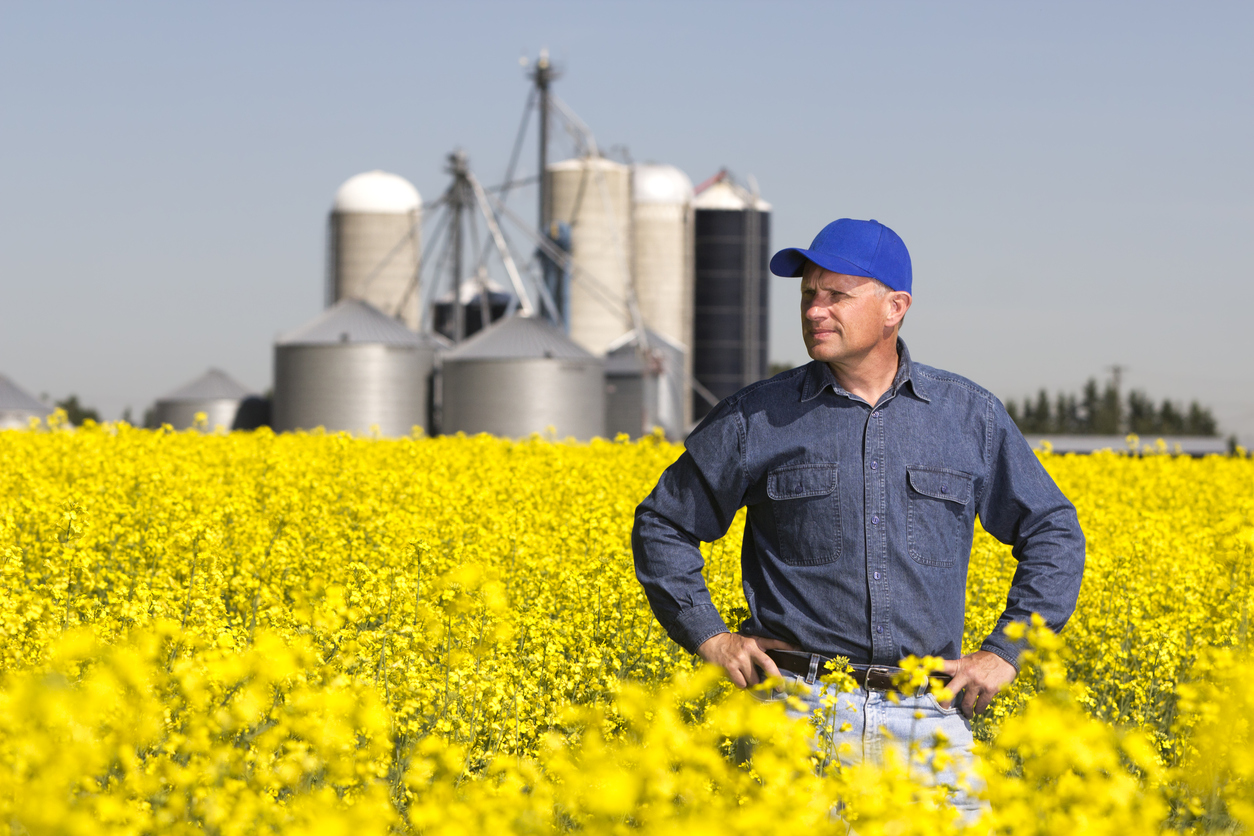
[[250, 632]]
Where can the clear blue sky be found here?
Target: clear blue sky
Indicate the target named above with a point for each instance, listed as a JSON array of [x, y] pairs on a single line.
[[1074, 180]]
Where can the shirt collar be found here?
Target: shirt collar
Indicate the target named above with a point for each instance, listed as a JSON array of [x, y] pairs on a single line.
[[819, 377]]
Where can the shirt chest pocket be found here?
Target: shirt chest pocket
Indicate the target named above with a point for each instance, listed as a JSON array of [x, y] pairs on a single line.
[[806, 506], [940, 521]]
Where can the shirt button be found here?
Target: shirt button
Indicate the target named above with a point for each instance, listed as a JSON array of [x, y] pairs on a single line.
[[874, 465], [879, 629], [875, 520], [944, 489], [877, 576]]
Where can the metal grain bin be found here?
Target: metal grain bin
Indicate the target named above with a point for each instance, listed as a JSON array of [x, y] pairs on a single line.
[[643, 391], [352, 369], [373, 248], [731, 291], [17, 407], [523, 376], [214, 393], [593, 196]]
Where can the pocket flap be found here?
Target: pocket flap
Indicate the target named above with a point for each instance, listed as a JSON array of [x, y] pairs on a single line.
[[801, 480], [940, 483]]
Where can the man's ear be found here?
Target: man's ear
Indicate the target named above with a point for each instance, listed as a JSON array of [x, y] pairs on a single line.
[[899, 302]]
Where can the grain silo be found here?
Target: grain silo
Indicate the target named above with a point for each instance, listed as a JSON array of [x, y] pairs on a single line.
[[17, 406], [732, 248], [646, 389], [593, 196], [522, 376], [662, 249], [352, 368], [214, 393], [373, 244]]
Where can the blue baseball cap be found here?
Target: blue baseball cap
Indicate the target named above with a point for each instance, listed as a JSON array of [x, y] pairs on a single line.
[[855, 248]]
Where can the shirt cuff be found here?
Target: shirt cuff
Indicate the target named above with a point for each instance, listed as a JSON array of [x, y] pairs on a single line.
[[694, 626], [1002, 646]]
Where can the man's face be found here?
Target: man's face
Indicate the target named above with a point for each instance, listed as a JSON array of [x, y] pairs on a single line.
[[844, 317]]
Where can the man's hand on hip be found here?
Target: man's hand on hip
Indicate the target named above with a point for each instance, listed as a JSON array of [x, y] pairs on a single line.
[[978, 676], [737, 654]]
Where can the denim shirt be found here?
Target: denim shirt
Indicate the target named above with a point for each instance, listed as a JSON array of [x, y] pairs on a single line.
[[860, 519]]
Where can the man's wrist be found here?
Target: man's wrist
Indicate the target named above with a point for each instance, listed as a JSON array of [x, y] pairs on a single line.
[[1009, 655], [694, 627], [705, 648]]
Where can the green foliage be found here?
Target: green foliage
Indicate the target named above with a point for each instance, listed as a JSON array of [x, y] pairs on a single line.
[[1102, 411], [76, 412]]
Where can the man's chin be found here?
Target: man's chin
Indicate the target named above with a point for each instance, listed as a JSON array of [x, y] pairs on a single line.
[[817, 353]]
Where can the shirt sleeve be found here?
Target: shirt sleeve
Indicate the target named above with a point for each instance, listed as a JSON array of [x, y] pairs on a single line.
[[1021, 506], [695, 501]]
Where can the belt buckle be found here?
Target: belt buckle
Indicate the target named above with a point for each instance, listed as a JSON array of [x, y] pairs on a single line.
[[879, 679]]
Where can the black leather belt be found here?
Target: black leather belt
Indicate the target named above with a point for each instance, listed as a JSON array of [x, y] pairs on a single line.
[[812, 665]]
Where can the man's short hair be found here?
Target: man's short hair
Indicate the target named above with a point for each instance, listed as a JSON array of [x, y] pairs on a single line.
[[881, 288]]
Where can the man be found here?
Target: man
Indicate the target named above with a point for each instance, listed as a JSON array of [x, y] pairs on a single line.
[[863, 473]]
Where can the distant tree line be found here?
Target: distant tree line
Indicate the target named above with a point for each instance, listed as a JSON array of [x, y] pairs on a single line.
[[75, 412], [1104, 412]]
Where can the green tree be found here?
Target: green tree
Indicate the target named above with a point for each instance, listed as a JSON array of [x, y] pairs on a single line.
[[1100, 410], [1170, 421], [1044, 421], [1090, 403], [76, 412], [1199, 421], [1108, 418], [1066, 415], [1142, 418]]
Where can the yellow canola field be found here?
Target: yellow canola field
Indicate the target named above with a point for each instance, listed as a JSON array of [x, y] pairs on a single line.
[[314, 633]]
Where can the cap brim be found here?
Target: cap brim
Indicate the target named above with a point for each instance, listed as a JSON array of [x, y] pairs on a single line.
[[791, 261]]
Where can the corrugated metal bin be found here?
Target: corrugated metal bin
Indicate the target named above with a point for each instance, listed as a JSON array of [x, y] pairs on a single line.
[[522, 376], [353, 369]]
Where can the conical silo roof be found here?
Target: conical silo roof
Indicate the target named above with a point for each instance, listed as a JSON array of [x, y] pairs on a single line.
[[518, 338], [623, 355], [14, 398], [213, 385], [352, 321]]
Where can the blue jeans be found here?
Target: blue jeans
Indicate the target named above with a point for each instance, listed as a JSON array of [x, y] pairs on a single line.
[[877, 724]]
